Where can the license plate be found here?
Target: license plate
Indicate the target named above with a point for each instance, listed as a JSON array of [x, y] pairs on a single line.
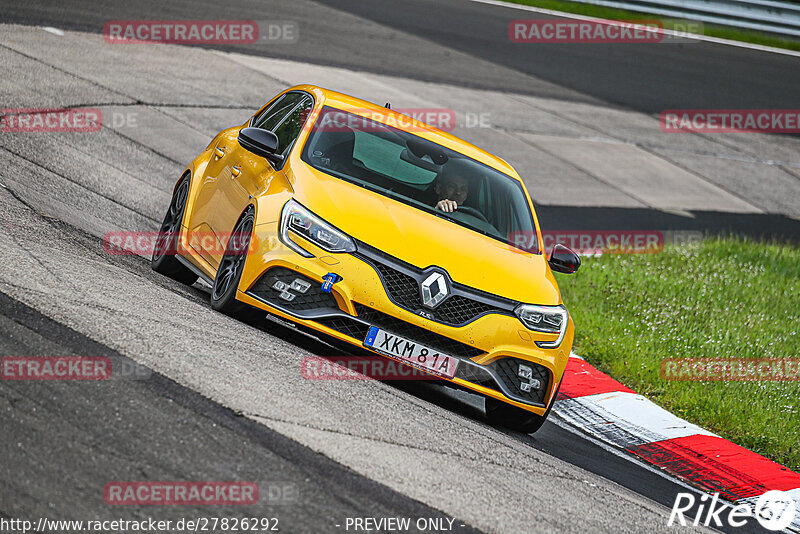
[[411, 352]]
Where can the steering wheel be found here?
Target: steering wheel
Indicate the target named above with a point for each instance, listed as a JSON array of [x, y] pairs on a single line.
[[469, 210]]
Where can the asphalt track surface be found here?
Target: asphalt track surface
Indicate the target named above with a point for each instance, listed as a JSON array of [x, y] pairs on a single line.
[[222, 399], [60, 442]]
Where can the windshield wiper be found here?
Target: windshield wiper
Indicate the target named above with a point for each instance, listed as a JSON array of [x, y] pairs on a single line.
[[443, 215]]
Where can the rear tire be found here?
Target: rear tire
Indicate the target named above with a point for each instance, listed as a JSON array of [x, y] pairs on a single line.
[[164, 260], [229, 272]]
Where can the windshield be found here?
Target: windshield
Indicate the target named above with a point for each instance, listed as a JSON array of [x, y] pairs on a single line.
[[422, 174]]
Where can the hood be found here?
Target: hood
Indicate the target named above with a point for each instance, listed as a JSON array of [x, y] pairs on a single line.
[[423, 240]]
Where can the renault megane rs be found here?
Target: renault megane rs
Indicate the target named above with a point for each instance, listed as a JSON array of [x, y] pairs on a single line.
[[361, 223]]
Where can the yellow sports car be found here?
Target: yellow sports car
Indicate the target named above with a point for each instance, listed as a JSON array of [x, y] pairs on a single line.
[[383, 232]]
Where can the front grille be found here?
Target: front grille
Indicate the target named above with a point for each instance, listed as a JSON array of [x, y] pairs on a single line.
[[402, 283], [346, 326], [458, 309], [314, 298], [402, 288], [386, 322], [507, 370], [404, 291], [476, 375]]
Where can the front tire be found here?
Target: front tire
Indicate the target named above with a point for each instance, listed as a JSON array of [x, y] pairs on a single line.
[[505, 415], [500, 413], [164, 260], [229, 272]]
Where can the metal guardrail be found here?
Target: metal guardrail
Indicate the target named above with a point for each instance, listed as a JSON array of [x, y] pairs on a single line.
[[764, 15]]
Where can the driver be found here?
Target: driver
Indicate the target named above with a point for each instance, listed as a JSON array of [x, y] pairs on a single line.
[[451, 188]]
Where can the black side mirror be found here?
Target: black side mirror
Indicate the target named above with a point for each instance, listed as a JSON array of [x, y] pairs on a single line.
[[563, 259], [261, 143]]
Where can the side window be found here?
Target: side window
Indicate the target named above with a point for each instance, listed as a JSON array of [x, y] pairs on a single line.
[[290, 128], [272, 116]]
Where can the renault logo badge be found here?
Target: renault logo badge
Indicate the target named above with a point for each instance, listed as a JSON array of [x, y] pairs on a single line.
[[434, 290]]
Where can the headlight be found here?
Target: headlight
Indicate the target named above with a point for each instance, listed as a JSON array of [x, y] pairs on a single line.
[[549, 319], [297, 219]]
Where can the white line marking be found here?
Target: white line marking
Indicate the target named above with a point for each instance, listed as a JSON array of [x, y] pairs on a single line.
[[716, 40], [634, 416], [54, 31]]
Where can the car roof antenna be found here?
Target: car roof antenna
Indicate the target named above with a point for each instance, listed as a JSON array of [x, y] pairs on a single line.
[[388, 105]]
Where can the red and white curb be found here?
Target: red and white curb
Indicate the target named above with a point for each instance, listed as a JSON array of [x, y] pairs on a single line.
[[615, 414]]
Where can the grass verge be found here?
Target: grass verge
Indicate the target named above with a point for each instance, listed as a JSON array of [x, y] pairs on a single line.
[[723, 298], [711, 30]]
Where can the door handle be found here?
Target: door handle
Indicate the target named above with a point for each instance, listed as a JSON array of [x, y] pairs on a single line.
[[219, 152], [236, 171]]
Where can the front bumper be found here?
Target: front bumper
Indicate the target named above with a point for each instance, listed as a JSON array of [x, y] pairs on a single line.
[[490, 345]]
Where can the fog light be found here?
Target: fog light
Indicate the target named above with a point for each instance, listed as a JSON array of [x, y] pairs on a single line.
[[300, 286], [285, 295], [279, 286], [530, 383]]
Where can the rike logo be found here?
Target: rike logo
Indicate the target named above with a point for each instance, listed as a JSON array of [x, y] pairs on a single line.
[[774, 510]]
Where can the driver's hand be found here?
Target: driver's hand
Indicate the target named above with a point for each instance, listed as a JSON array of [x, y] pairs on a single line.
[[447, 206]]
